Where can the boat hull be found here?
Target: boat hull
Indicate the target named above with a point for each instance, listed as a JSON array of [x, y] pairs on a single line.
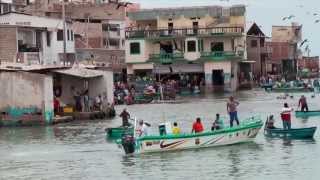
[[117, 133], [307, 113], [193, 141], [302, 133], [292, 90]]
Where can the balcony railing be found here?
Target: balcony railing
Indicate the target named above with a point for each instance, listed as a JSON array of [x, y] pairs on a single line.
[[28, 58], [215, 31], [221, 55], [165, 58]]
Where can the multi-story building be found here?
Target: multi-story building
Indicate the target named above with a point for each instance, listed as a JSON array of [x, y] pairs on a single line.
[[34, 40], [99, 29], [203, 42], [7, 6], [257, 50], [285, 48]]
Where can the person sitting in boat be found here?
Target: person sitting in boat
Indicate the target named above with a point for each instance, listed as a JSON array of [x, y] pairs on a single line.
[[217, 124], [175, 129], [125, 117], [303, 103], [197, 126], [142, 129], [270, 123], [286, 116]]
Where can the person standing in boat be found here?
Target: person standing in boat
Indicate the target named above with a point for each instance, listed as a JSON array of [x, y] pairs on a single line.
[[142, 129], [197, 126], [125, 117], [286, 116], [232, 110], [175, 129], [303, 103]]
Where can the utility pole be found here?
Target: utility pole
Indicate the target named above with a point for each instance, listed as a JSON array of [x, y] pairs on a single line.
[[64, 31]]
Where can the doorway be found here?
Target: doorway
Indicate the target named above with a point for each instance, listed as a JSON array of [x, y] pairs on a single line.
[[217, 77], [170, 28], [195, 26]]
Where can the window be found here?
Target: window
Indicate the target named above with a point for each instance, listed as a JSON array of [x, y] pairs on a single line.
[[71, 35], [254, 43], [135, 48], [191, 46], [68, 34], [261, 42], [217, 46], [60, 35], [114, 42], [48, 39]]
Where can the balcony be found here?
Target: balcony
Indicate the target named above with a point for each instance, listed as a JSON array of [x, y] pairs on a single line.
[[185, 32], [166, 58], [28, 58], [221, 55]]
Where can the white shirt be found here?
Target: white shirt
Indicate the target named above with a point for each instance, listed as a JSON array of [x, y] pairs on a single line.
[[143, 130], [286, 110]]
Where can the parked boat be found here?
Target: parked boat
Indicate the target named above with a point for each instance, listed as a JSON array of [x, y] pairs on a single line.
[[247, 131], [117, 133], [300, 133], [267, 86], [292, 90], [307, 113]]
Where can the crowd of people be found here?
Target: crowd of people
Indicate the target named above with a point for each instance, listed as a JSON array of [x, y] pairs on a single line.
[[84, 103]]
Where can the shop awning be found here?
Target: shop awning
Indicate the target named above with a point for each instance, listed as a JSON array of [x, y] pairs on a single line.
[[178, 68], [250, 62], [81, 72]]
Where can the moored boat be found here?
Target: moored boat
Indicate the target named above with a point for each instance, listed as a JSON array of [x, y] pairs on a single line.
[[307, 113], [117, 133], [300, 133], [246, 131], [292, 89]]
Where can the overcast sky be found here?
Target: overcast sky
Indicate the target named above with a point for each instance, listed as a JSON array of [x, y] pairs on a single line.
[[264, 12]]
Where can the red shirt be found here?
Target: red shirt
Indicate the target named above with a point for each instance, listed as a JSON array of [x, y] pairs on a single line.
[[197, 127]]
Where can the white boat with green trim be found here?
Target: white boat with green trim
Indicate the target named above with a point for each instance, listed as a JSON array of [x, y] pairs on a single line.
[[245, 132]]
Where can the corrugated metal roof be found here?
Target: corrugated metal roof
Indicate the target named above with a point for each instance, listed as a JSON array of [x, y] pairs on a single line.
[[81, 72]]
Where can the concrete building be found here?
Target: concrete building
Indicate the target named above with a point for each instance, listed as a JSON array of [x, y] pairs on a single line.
[[7, 6], [285, 48], [257, 50], [28, 93], [206, 42], [34, 40], [309, 63]]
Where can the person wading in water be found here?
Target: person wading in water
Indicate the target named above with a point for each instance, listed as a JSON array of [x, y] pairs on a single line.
[[125, 117], [232, 110], [303, 103]]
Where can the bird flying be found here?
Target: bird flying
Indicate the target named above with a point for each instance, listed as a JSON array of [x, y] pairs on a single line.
[[303, 42]]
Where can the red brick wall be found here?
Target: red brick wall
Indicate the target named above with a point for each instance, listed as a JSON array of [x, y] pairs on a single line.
[[311, 63], [8, 44], [280, 50]]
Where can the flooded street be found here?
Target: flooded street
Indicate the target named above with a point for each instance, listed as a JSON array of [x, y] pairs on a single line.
[[79, 150]]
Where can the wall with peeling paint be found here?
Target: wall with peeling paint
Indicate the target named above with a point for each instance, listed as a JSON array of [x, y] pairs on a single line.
[[26, 98]]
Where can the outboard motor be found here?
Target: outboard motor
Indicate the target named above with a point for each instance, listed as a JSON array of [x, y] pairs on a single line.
[[128, 143]]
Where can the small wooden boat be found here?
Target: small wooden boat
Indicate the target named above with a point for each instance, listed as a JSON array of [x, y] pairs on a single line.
[[247, 131], [292, 90], [117, 133], [267, 86], [307, 113], [300, 133]]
